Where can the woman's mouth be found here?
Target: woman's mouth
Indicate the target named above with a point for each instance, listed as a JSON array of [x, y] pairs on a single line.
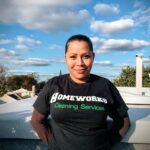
[[80, 71]]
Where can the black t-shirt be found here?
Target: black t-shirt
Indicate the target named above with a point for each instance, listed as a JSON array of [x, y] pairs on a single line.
[[79, 112]]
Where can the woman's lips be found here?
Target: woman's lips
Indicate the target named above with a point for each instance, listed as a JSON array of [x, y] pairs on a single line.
[[80, 71]]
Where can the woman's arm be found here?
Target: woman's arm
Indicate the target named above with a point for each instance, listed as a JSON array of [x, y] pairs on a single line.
[[126, 124], [38, 123], [119, 128]]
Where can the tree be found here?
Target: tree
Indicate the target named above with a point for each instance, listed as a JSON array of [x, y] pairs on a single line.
[[21, 81], [11, 83], [29, 81], [146, 77], [3, 81], [40, 86], [128, 77]]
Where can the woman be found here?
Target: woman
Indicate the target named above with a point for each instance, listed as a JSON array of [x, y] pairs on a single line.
[[79, 104]]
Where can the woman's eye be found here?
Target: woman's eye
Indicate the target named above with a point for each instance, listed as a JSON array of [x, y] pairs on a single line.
[[87, 56], [73, 57]]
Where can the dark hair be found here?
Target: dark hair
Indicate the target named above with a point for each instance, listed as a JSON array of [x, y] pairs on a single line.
[[79, 37]]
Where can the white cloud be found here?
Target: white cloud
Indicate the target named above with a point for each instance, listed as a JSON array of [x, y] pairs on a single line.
[[97, 40], [13, 58], [32, 62], [146, 60], [141, 15], [36, 62], [8, 54], [50, 2], [19, 71], [112, 27], [103, 63], [120, 66], [110, 9], [57, 61], [5, 41], [54, 46], [28, 41], [45, 15], [108, 45], [22, 47]]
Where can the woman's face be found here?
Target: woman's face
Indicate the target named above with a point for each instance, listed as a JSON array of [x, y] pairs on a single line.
[[79, 60]]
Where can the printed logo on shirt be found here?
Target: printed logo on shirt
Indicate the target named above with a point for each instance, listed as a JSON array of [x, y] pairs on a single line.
[[78, 106], [58, 96]]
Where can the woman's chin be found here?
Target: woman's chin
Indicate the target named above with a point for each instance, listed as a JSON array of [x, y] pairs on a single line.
[[82, 77]]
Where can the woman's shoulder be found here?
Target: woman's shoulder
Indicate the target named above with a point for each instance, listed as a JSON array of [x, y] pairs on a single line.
[[99, 78], [105, 82], [58, 79]]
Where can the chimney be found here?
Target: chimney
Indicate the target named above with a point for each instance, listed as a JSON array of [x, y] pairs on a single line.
[[139, 73]]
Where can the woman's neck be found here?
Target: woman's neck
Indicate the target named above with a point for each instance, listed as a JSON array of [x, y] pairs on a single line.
[[80, 81]]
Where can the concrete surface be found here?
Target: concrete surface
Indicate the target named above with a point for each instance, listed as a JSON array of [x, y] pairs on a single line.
[[16, 129]]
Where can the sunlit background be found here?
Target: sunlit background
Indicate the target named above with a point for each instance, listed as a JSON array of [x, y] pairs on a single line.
[[33, 34]]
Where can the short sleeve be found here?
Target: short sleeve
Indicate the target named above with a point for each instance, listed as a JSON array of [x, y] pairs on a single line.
[[42, 104], [117, 108]]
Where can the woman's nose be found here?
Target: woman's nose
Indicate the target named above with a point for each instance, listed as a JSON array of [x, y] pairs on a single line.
[[80, 61]]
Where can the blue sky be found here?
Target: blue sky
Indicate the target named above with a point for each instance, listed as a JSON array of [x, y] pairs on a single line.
[[33, 34]]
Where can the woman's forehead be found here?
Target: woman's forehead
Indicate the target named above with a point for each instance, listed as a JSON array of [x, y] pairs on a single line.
[[78, 44]]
